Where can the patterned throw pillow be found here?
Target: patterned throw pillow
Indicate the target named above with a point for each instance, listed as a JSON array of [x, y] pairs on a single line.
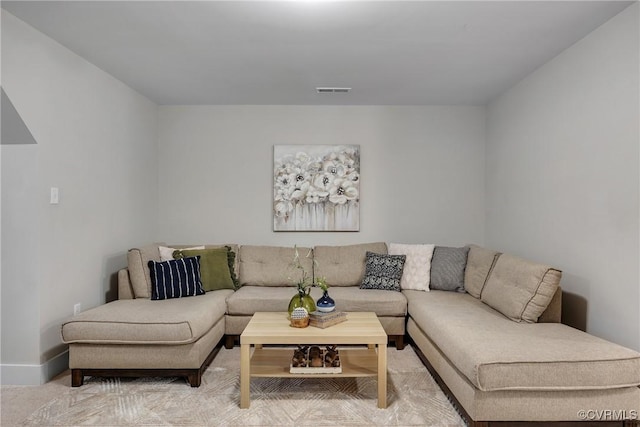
[[176, 278], [417, 267], [383, 271], [447, 268]]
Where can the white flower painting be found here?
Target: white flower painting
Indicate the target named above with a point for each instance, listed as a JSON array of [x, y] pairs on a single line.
[[316, 188]]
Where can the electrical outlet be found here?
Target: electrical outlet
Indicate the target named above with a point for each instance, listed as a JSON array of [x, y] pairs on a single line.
[[77, 308]]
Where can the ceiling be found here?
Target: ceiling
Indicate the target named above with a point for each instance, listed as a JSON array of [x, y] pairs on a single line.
[[278, 52]]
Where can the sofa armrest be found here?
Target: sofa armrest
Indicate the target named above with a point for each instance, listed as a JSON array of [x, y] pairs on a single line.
[[553, 313], [125, 289]]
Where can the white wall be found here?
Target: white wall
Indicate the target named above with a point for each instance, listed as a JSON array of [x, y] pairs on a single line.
[[562, 175], [20, 291], [96, 141], [422, 171]]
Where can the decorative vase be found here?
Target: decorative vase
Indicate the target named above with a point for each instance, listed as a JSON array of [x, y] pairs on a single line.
[[302, 299], [326, 303]]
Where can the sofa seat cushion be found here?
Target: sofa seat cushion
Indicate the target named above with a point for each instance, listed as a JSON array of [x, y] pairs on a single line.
[[495, 353], [382, 302], [250, 299], [143, 321]]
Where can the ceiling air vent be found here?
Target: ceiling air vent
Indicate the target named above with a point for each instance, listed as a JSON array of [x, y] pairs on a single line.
[[333, 89]]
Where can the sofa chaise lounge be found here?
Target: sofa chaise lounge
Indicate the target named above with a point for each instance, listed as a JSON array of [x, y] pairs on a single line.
[[495, 368]]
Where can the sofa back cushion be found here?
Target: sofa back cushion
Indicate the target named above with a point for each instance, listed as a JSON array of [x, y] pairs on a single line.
[[520, 289], [272, 265], [480, 261], [553, 313], [344, 265], [138, 260]]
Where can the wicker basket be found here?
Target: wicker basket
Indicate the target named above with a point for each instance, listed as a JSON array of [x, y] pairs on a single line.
[[300, 323]]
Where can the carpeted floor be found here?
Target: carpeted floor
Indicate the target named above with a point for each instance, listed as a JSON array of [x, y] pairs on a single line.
[[413, 396]]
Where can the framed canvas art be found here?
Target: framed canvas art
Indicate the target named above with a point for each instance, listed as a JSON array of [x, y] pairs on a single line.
[[316, 188]]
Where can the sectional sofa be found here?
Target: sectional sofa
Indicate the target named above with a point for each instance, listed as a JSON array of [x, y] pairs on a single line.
[[498, 349]]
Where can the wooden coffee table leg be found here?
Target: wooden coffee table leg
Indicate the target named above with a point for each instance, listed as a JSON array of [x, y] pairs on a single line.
[[382, 376], [245, 374]]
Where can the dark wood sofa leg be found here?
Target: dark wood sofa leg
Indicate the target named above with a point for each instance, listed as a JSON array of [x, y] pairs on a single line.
[[229, 341], [398, 340], [77, 377], [194, 378]]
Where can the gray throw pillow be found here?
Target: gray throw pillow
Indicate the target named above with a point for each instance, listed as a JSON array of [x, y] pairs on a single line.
[[383, 271], [447, 268]]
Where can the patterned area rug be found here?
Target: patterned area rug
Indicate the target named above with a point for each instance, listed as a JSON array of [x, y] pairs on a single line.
[[414, 399]]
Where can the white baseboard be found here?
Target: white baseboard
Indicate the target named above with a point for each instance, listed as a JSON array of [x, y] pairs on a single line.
[[20, 374], [55, 366], [34, 374]]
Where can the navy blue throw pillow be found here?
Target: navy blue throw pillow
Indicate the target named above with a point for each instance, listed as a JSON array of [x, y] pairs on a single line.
[[176, 278]]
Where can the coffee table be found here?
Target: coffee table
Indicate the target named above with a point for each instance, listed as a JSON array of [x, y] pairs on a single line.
[[274, 328]]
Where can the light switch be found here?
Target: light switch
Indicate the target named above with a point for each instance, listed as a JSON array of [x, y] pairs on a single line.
[[55, 195]]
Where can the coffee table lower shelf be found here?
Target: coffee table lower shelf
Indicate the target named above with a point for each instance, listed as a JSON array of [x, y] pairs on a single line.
[[268, 362]]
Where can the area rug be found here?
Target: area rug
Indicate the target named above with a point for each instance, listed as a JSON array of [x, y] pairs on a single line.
[[414, 399]]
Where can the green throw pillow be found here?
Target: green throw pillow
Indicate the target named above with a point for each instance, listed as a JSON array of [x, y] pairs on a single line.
[[214, 267]]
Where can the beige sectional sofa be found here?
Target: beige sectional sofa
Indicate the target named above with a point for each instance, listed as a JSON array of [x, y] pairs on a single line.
[[499, 350]]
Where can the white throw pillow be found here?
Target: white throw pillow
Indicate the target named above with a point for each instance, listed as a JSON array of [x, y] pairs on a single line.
[[166, 253], [417, 267]]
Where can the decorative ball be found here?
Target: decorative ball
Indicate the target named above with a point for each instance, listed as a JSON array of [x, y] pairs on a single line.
[[299, 313], [300, 317]]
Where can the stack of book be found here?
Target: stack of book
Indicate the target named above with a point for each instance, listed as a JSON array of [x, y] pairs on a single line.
[[324, 320]]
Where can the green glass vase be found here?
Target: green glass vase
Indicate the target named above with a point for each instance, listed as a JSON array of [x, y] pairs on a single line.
[[302, 299]]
